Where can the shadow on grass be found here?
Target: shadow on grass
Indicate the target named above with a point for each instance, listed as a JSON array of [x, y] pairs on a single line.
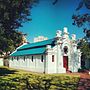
[[6, 71]]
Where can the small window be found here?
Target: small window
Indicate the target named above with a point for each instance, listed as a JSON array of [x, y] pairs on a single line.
[[12, 58], [17, 58], [32, 58], [52, 58], [42, 58], [24, 58]]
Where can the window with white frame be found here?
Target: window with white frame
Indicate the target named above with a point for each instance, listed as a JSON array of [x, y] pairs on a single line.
[[17, 58], [24, 58], [41, 58], [32, 59], [12, 58], [52, 58]]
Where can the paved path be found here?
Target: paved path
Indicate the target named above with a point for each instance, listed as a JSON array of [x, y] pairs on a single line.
[[84, 83]]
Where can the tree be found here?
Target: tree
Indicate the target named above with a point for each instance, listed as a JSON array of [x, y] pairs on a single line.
[[85, 48], [12, 14], [10, 40], [81, 19], [54, 2]]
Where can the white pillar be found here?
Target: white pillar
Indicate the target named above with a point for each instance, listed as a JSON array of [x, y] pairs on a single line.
[[79, 57], [48, 57], [60, 68], [49, 67], [65, 33]]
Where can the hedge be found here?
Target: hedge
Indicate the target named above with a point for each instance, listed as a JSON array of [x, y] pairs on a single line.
[[21, 80]]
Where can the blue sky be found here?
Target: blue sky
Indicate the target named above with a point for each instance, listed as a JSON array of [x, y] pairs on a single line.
[[48, 18]]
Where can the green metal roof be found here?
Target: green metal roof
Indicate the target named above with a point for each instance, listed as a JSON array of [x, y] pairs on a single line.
[[29, 52], [33, 45], [33, 48]]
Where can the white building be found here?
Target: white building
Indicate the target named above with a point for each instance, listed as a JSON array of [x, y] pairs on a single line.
[[56, 55]]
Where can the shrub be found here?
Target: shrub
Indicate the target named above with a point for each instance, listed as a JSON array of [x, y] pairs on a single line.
[[31, 81]]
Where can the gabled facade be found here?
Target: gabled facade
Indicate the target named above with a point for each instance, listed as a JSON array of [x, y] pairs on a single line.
[[56, 55]]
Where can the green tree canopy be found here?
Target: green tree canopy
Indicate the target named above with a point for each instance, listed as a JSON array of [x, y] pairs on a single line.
[[12, 14], [83, 20], [85, 48]]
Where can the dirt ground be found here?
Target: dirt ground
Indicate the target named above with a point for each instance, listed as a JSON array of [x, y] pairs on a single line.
[[84, 82]]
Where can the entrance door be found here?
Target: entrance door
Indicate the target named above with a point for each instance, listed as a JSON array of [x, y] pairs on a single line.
[[65, 62]]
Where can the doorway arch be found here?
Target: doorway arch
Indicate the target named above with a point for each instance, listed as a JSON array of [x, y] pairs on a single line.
[[65, 57], [65, 62]]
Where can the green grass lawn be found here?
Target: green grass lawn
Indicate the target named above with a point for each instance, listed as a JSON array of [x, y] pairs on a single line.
[[12, 79]]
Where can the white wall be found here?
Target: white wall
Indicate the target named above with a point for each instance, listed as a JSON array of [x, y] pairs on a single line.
[[1, 61], [27, 64], [51, 66]]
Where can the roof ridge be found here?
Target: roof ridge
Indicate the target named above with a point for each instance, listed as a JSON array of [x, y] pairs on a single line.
[[41, 41], [37, 44]]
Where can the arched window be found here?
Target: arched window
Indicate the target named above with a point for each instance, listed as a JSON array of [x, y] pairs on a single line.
[[65, 49]]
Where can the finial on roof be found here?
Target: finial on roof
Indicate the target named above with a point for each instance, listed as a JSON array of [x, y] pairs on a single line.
[[58, 33], [65, 33], [65, 30], [73, 37]]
